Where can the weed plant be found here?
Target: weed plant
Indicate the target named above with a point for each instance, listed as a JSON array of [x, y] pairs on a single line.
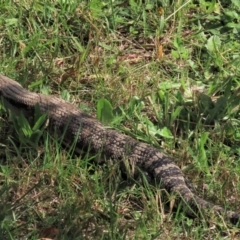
[[164, 72]]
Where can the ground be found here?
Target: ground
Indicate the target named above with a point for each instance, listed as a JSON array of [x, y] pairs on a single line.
[[164, 72]]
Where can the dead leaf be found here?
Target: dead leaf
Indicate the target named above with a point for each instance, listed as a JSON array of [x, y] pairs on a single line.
[[22, 45], [49, 232]]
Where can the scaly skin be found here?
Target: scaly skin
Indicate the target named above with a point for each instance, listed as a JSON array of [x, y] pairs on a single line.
[[90, 132]]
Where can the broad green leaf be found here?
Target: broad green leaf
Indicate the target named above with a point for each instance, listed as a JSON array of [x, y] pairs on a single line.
[[133, 4], [161, 95], [149, 6], [104, 111], [11, 21], [232, 14], [213, 43], [165, 132], [65, 95], [96, 7], [236, 3]]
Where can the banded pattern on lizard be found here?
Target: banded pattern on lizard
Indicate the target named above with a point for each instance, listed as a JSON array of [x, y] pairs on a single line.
[[116, 145]]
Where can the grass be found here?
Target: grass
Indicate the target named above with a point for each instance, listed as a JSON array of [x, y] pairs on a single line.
[[170, 70]]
